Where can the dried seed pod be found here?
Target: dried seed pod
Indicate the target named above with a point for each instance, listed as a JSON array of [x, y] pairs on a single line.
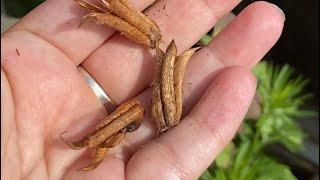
[[178, 75], [105, 4], [102, 150], [125, 18], [111, 131], [89, 7], [99, 156], [134, 114], [125, 115], [115, 140], [167, 87], [145, 18], [116, 113], [119, 24], [135, 18], [76, 145], [156, 101]]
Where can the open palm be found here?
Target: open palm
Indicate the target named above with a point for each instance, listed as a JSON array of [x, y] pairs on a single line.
[[43, 94]]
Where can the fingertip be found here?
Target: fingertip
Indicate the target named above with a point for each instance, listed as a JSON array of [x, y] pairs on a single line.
[[268, 14], [270, 8], [247, 38]]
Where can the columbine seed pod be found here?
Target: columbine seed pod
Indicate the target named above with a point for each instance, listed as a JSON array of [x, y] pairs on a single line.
[[123, 17], [167, 99], [110, 132]]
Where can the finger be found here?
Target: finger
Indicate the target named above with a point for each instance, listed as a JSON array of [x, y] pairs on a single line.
[[187, 150], [242, 43], [256, 32], [57, 21], [118, 62]]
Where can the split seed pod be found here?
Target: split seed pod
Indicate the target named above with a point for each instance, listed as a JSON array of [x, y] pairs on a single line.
[[166, 106], [123, 17], [110, 132]]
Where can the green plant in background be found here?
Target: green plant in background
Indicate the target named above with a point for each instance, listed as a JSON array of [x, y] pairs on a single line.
[[281, 96], [18, 8]]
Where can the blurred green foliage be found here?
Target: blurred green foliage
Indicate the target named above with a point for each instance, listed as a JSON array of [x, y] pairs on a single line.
[[282, 96], [19, 8]]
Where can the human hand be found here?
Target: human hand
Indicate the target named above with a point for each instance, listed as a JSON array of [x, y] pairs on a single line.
[[43, 94]]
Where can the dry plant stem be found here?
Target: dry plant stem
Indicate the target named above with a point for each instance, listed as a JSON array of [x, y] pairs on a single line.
[[167, 87]]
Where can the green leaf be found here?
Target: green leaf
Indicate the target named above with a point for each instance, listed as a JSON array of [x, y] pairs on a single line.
[[272, 170], [18, 8], [247, 132], [206, 176], [241, 158], [220, 175], [282, 95], [205, 40], [224, 158]]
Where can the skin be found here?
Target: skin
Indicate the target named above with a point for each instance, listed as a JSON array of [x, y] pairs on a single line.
[[42, 94]]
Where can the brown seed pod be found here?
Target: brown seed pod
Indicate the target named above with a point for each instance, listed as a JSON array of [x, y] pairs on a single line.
[[133, 115], [110, 132], [120, 110], [102, 150], [124, 27], [122, 16], [89, 7], [167, 87], [99, 156], [166, 106], [137, 19], [179, 69], [156, 107]]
